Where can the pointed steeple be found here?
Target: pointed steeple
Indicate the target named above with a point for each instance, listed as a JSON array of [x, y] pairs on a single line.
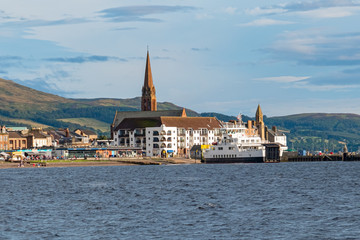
[[259, 115], [148, 99], [183, 114], [148, 81], [259, 122]]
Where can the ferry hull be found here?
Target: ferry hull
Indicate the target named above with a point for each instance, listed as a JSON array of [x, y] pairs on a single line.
[[234, 160]]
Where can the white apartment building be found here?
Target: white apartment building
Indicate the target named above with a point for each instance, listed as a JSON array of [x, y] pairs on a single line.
[[167, 136]]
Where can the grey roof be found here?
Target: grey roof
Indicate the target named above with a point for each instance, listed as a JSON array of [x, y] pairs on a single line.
[[132, 123], [120, 116], [277, 133], [179, 122]]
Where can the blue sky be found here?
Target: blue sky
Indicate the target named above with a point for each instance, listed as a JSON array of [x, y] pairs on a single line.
[[219, 56]]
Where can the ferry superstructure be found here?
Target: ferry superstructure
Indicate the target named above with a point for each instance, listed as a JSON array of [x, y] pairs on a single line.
[[237, 146]]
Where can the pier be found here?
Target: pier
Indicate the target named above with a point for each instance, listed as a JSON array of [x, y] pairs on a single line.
[[323, 158]]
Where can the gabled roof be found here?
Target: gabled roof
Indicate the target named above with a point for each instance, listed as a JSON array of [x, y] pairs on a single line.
[[132, 123], [38, 134], [195, 123], [15, 134], [277, 133], [86, 131], [120, 116]]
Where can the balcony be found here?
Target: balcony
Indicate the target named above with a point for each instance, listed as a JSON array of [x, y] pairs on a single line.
[[123, 134]]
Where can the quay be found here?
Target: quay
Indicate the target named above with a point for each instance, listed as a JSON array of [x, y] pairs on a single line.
[[322, 158]]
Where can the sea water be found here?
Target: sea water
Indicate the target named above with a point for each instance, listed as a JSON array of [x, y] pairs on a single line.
[[315, 200]]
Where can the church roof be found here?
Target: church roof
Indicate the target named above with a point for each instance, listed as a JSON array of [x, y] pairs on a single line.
[[132, 123], [195, 123], [120, 116]]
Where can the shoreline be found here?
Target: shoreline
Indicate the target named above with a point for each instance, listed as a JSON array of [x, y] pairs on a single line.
[[99, 163]]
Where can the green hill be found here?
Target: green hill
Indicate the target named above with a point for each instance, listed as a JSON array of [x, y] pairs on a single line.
[[23, 106], [320, 131]]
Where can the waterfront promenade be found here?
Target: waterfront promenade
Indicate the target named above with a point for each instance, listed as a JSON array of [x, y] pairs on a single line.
[[92, 162]]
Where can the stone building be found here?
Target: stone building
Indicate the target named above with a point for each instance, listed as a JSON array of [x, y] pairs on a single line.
[[87, 133], [4, 138], [17, 140]]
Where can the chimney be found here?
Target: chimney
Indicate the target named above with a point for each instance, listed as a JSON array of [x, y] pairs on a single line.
[[67, 132], [249, 124], [274, 129]]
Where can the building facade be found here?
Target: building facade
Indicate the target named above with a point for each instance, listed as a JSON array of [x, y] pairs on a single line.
[[171, 133], [4, 138], [17, 140], [167, 136]]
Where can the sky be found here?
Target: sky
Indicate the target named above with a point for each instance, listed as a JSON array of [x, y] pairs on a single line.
[[210, 56]]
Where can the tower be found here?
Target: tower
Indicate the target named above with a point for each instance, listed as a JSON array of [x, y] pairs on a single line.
[[259, 122], [148, 98]]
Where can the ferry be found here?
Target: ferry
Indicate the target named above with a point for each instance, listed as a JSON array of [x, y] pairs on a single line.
[[236, 146]]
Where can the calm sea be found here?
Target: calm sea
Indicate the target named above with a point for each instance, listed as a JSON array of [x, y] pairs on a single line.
[[317, 200]]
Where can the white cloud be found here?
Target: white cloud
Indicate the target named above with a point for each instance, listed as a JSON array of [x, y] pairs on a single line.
[[333, 12], [313, 9], [265, 22], [264, 11], [230, 10], [325, 87], [282, 79]]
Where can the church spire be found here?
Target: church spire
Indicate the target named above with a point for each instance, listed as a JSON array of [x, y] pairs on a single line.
[[148, 81], [259, 115], [259, 121], [148, 99]]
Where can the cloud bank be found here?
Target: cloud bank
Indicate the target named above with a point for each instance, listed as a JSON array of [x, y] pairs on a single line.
[[139, 13]]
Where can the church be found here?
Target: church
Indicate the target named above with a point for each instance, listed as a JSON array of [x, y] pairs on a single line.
[[171, 132], [161, 133]]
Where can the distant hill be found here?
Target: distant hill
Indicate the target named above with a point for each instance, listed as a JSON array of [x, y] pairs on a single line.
[[320, 131], [224, 117], [23, 106]]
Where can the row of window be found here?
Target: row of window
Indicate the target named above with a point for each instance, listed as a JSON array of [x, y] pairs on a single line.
[[18, 141], [162, 145], [225, 156], [247, 140], [3, 138]]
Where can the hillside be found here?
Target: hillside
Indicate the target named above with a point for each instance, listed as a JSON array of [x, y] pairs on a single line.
[[23, 106], [313, 131], [320, 131]]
